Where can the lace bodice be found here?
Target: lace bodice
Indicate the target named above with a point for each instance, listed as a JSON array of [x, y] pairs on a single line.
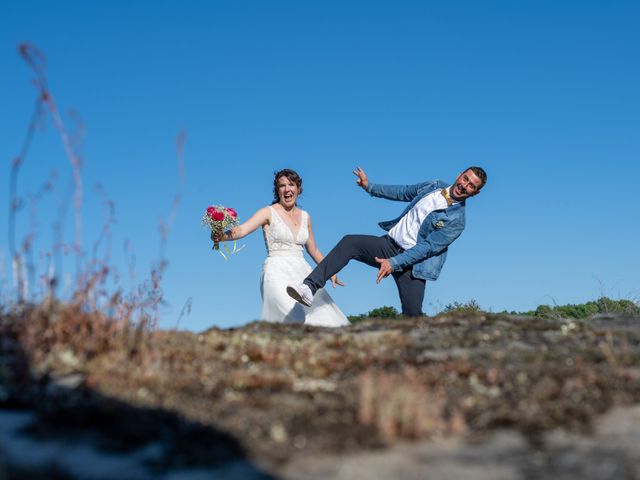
[[280, 240]]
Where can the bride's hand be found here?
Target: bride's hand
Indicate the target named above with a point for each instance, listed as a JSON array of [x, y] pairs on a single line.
[[217, 237], [335, 281]]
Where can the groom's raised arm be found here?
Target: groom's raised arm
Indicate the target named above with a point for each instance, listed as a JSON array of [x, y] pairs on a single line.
[[400, 193]]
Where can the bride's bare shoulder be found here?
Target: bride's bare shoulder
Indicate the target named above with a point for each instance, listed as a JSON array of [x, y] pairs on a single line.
[[265, 214]]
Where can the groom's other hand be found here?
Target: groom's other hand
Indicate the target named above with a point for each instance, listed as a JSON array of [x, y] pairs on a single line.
[[362, 181], [335, 281], [385, 268]]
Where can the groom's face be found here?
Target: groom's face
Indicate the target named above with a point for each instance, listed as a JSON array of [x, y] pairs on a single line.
[[466, 185]]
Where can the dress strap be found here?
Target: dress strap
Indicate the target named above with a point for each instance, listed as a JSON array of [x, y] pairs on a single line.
[[273, 213]]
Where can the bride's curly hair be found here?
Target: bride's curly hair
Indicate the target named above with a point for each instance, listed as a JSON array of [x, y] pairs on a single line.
[[292, 175]]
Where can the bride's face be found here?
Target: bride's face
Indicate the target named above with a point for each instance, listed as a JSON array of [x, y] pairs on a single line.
[[287, 192]]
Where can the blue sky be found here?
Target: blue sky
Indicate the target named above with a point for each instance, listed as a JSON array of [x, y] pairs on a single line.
[[543, 95]]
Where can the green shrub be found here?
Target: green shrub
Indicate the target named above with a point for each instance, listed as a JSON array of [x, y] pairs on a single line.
[[579, 311], [469, 306], [586, 310], [380, 312]]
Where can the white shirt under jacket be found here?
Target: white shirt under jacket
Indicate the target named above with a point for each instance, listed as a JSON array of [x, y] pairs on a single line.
[[405, 232]]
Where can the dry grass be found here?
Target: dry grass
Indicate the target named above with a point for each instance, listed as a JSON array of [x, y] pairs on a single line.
[[95, 296]]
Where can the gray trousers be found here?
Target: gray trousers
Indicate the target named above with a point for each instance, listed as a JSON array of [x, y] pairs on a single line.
[[365, 248]]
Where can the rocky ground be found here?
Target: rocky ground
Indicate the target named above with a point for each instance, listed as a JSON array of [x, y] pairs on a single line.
[[460, 395]]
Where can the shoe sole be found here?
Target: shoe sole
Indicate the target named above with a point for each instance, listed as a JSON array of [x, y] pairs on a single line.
[[293, 293]]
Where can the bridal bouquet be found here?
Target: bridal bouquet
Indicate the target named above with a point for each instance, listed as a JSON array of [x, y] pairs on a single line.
[[219, 219]]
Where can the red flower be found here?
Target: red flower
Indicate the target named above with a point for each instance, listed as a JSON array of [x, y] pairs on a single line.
[[232, 212], [217, 215]]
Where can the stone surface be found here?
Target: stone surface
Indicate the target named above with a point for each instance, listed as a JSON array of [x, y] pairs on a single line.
[[461, 395]]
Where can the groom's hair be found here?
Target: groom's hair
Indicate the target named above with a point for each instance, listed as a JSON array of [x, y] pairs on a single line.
[[480, 173], [292, 175]]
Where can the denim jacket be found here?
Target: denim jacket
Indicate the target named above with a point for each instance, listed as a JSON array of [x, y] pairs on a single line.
[[438, 230]]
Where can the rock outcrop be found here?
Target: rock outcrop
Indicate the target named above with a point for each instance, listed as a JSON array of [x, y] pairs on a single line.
[[472, 393]]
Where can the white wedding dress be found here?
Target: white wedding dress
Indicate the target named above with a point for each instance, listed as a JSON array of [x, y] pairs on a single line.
[[285, 265]]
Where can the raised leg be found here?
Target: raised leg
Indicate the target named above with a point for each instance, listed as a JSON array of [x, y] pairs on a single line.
[[363, 248]]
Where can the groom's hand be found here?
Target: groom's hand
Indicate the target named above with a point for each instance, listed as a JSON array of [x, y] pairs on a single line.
[[335, 281], [362, 181], [385, 268]]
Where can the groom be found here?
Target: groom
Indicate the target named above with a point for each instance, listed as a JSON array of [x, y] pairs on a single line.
[[415, 247]]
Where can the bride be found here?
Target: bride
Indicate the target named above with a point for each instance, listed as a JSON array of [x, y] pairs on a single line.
[[286, 228]]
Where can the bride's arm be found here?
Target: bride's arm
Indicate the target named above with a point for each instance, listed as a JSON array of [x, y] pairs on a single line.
[[315, 253], [258, 219], [312, 248]]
